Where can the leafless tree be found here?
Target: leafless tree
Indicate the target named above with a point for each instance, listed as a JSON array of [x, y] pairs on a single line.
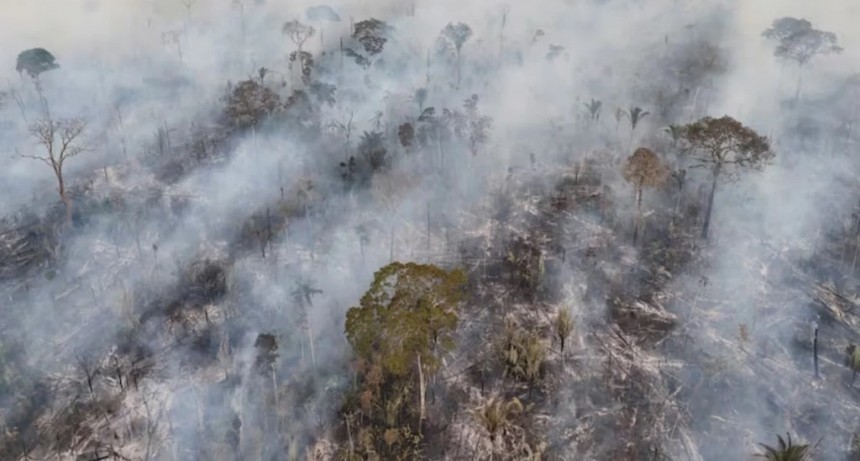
[[153, 423], [61, 141]]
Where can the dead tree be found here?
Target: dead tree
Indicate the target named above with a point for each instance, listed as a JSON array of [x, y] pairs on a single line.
[[644, 169], [60, 139]]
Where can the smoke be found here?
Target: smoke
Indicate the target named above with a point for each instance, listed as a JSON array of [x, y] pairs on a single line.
[[192, 238]]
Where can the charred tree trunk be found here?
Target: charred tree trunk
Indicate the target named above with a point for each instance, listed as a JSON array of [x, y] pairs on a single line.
[[815, 351], [638, 223], [710, 209], [799, 85], [64, 196], [421, 394]]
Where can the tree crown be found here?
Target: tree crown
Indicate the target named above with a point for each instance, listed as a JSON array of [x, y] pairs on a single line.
[[644, 169], [408, 310], [798, 41], [726, 145]]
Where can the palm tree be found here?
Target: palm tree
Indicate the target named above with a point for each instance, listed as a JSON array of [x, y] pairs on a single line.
[[563, 326], [635, 114], [594, 108], [786, 451], [675, 131], [533, 358], [496, 415]]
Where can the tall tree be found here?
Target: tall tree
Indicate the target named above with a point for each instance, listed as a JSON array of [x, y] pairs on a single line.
[[798, 41], [303, 295], [635, 114], [35, 61], [725, 147], [249, 102], [644, 169], [406, 318], [457, 35], [371, 35], [298, 33], [594, 108], [61, 141]]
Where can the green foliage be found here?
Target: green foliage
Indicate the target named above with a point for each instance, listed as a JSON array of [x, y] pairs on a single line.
[[35, 61], [785, 450], [409, 311], [724, 145]]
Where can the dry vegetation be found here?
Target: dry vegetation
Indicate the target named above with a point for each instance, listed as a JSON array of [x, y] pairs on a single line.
[[286, 279]]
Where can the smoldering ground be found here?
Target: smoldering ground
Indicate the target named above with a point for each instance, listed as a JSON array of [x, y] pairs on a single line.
[[189, 244]]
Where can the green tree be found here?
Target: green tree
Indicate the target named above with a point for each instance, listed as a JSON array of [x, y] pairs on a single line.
[[406, 318], [725, 147], [786, 450], [35, 61]]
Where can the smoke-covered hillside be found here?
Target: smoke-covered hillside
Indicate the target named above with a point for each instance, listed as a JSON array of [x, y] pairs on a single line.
[[396, 230]]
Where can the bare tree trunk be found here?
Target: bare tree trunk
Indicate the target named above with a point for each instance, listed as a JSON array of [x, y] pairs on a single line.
[[311, 342], [64, 196], [638, 213], [275, 393], [695, 102], [458, 69], [349, 435], [815, 351], [428, 226], [421, 393], [799, 85], [710, 208]]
